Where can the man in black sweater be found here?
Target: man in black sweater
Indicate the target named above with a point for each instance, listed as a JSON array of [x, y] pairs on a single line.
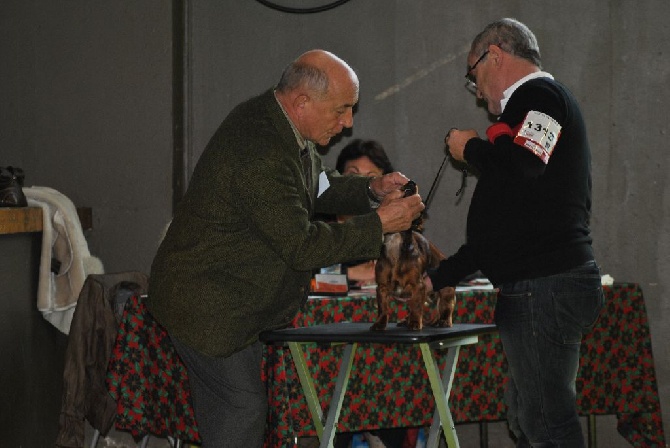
[[528, 229]]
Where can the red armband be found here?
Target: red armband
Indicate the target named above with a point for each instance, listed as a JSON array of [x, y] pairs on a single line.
[[498, 129]]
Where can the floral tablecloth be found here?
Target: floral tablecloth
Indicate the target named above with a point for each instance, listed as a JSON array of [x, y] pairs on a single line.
[[389, 388], [148, 380]]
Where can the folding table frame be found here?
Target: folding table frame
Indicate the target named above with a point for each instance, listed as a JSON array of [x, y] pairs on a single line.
[[353, 334]]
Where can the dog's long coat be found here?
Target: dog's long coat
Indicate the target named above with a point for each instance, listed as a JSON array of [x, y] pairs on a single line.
[[400, 274]]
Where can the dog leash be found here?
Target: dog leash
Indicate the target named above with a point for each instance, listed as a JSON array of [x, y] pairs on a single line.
[[410, 188], [464, 177]]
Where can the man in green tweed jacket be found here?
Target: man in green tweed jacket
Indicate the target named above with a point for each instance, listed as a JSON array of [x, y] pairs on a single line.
[[239, 253]]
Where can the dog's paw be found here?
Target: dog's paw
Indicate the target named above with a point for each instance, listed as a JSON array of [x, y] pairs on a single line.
[[378, 326], [414, 325], [409, 325], [443, 323]]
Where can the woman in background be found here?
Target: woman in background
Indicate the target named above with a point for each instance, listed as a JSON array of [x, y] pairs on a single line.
[[362, 158]]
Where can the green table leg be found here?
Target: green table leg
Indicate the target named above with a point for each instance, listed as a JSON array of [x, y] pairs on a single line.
[[593, 441], [326, 434], [441, 387], [307, 386]]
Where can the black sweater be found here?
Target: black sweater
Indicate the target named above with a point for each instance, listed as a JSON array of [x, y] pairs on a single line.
[[527, 219]]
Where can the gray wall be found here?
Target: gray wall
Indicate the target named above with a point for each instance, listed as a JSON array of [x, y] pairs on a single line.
[[85, 107]]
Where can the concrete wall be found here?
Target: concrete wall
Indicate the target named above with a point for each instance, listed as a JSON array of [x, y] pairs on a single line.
[[85, 107]]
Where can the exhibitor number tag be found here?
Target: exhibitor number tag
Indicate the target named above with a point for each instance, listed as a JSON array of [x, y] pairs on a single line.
[[539, 134]]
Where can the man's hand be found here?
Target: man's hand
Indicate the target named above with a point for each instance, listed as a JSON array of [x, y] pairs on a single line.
[[456, 140], [381, 186], [397, 212]]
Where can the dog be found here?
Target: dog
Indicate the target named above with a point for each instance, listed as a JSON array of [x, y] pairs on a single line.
[[399, 273]]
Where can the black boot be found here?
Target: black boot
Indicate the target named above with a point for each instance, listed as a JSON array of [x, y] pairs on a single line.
[[11, 193]]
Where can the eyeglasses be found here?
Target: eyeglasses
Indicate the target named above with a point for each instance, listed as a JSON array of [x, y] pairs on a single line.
[[471, 80]]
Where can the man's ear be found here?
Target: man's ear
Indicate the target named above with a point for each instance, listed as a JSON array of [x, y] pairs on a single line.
[[300, 101], [496, 54]]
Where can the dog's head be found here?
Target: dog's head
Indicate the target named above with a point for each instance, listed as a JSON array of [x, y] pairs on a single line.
[[409, 189], [411, 250], [410, 247]]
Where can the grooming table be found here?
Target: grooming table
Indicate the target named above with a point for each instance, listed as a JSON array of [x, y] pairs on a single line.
[[353, 334]]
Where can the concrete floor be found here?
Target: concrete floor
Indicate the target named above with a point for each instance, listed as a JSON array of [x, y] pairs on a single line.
[[119, 439], [468, 435]]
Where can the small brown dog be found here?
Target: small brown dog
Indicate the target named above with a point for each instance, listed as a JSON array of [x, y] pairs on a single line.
[[400, 274]]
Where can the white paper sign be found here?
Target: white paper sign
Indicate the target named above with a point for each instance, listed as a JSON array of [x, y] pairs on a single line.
[[539, 134]]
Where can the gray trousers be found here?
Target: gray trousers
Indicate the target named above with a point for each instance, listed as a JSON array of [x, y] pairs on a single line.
[[229, 397]]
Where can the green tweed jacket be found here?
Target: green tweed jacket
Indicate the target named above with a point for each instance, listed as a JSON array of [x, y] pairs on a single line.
[[239, 253]]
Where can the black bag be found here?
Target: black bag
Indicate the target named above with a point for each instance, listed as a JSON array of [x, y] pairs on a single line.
[[11, 193]]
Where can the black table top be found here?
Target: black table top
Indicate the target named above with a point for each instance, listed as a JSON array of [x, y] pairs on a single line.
[[350, 332]]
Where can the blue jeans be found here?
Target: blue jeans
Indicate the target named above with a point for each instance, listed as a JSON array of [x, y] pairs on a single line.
[[541, 323]]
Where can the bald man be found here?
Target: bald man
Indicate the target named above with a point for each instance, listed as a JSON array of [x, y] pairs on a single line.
[[239, 254]]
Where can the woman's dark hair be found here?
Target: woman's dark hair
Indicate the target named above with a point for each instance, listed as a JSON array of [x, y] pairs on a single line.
[[358, 148]]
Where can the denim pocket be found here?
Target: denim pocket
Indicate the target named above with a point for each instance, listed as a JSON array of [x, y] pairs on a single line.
[[577, 309], [513, 304]]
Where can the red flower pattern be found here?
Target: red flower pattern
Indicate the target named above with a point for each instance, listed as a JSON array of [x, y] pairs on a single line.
[[389, 388]]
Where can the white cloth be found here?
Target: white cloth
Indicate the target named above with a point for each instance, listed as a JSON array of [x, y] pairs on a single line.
[[62, 240]]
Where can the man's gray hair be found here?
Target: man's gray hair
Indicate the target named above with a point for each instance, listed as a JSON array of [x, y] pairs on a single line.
[[298, 73], [510, 35]]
